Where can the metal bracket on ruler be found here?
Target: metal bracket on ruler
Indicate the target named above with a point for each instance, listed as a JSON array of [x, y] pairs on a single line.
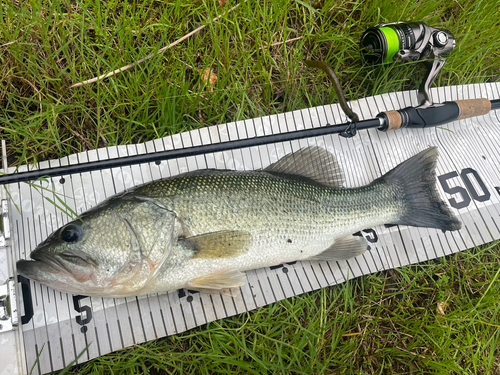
[[11, 335], [9, 318], [8, 306]]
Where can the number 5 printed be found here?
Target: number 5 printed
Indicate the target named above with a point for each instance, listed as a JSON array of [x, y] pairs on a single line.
[[84, 310]]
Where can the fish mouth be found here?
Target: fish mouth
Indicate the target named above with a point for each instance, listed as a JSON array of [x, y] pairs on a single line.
[[57, 273], [48, 259], [43, 268]]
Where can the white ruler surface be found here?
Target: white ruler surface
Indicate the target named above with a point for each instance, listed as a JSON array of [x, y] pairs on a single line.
[[57, 326]]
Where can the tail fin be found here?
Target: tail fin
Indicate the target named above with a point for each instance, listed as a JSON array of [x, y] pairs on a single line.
[[416, 178]]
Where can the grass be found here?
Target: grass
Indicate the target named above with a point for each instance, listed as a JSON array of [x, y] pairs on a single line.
[[46, 46], [379, 324], [383, 323]]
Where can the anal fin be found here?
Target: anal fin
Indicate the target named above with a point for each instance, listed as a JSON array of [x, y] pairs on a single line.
[[343, 248]]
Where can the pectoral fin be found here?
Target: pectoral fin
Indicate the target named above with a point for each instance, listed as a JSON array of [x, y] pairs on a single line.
[[218, 281], [223, 244], [343, 248]]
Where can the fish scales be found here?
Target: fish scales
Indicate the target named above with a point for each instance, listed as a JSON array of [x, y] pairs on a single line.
[[261, 202], [202, 230], [289, 219]]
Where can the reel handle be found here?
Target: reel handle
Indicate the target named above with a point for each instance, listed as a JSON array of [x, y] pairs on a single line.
[[438, 114]]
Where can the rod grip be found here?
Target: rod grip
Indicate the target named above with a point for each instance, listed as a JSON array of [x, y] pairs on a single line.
[[438, 114], [473, 107], [393, 120]]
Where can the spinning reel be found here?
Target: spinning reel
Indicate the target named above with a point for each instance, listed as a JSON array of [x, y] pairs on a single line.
[[409, 42], [402, 41]]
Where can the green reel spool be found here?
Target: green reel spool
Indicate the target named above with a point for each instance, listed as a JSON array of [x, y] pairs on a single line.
[[392, 42], [407, 41]]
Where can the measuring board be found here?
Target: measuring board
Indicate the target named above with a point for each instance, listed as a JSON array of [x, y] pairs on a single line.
[[56, 327]]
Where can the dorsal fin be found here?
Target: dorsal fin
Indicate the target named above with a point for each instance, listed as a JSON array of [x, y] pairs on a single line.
[[311, 162]]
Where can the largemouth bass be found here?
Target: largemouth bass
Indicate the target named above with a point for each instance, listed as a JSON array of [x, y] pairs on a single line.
[[201, 230]]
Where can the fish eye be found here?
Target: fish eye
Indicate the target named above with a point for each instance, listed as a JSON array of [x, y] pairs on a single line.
[[71, 233]]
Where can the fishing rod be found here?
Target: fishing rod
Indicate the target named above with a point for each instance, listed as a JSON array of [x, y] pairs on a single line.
[[384, 43], [409, 117]]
